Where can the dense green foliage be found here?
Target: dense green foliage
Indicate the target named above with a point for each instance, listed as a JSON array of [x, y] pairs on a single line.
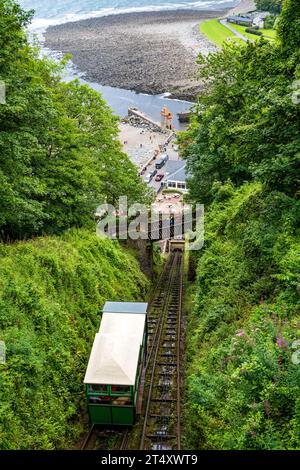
[[254, 31], [243, 151], [243, 386], [59, 153], [51, 291], [289, 30], [270, 21], [273, 6]]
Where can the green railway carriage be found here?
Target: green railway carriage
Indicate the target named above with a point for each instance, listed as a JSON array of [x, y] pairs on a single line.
[[116, 362]]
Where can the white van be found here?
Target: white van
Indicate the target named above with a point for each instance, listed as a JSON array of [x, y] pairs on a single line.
[[148, 178]]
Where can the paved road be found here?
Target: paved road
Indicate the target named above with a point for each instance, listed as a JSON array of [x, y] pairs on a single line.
[[239, 35], [173, 155]]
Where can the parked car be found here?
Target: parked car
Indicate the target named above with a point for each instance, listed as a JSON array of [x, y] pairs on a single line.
[[162, 161], [148, 178], [153, 173], [159, 177]]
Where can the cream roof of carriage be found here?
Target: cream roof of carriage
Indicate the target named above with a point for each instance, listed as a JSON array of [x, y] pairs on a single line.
[[115, 354], [125, 307]]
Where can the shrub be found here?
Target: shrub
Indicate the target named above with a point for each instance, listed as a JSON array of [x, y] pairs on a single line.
[[253, 31], [270, 21]]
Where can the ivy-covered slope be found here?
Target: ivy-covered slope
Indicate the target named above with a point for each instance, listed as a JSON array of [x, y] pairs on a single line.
[[243, 385], [51, 291]]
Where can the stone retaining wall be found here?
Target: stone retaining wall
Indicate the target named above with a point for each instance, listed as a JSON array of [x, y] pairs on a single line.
[[138, 119]]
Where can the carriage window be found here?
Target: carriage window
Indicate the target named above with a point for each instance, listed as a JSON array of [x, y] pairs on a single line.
[[120, 389], [98, 388], [105, 400], [122, 401]]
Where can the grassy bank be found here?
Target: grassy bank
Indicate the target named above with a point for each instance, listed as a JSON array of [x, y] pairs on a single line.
[[269, 34], [51, 290], [219, 34]]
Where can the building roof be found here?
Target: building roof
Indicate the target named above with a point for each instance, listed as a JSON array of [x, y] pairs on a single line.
[[174, 165], [260, 14], [240, 18], [176, 171], [115, 354], [125, 307]]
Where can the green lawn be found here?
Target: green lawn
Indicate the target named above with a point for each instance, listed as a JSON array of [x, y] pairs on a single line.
[[269, 34], [217, 33]]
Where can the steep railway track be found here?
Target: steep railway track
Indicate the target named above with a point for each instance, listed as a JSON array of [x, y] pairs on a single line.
[[156, 307], [161, 428], [161, 411], [105, 437]]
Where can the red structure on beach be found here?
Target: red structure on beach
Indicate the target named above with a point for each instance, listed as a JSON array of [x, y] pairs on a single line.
[[166, 119]]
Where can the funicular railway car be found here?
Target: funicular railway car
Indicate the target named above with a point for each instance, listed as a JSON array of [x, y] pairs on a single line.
[[116, 362], [176, 245]]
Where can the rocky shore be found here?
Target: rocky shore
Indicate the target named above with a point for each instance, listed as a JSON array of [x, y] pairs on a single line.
[[243, 7], [147, 52]]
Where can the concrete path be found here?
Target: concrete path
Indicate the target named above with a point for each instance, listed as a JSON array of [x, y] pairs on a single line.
[[239, 35]]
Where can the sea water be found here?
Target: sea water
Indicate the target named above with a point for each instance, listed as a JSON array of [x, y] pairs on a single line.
[[49, 12]]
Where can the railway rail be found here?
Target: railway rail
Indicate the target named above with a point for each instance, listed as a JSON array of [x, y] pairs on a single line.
[[105, 437]]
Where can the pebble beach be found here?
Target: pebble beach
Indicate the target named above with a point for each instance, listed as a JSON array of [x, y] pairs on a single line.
[[148, 52], [151, 52]]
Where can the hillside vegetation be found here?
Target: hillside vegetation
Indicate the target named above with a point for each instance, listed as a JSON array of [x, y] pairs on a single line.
[[274, 6], [243, 150], [51, 292]]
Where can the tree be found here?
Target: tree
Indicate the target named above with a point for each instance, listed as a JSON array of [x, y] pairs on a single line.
[[288, 27], [270, 21], [59, 151], [274, 6]]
